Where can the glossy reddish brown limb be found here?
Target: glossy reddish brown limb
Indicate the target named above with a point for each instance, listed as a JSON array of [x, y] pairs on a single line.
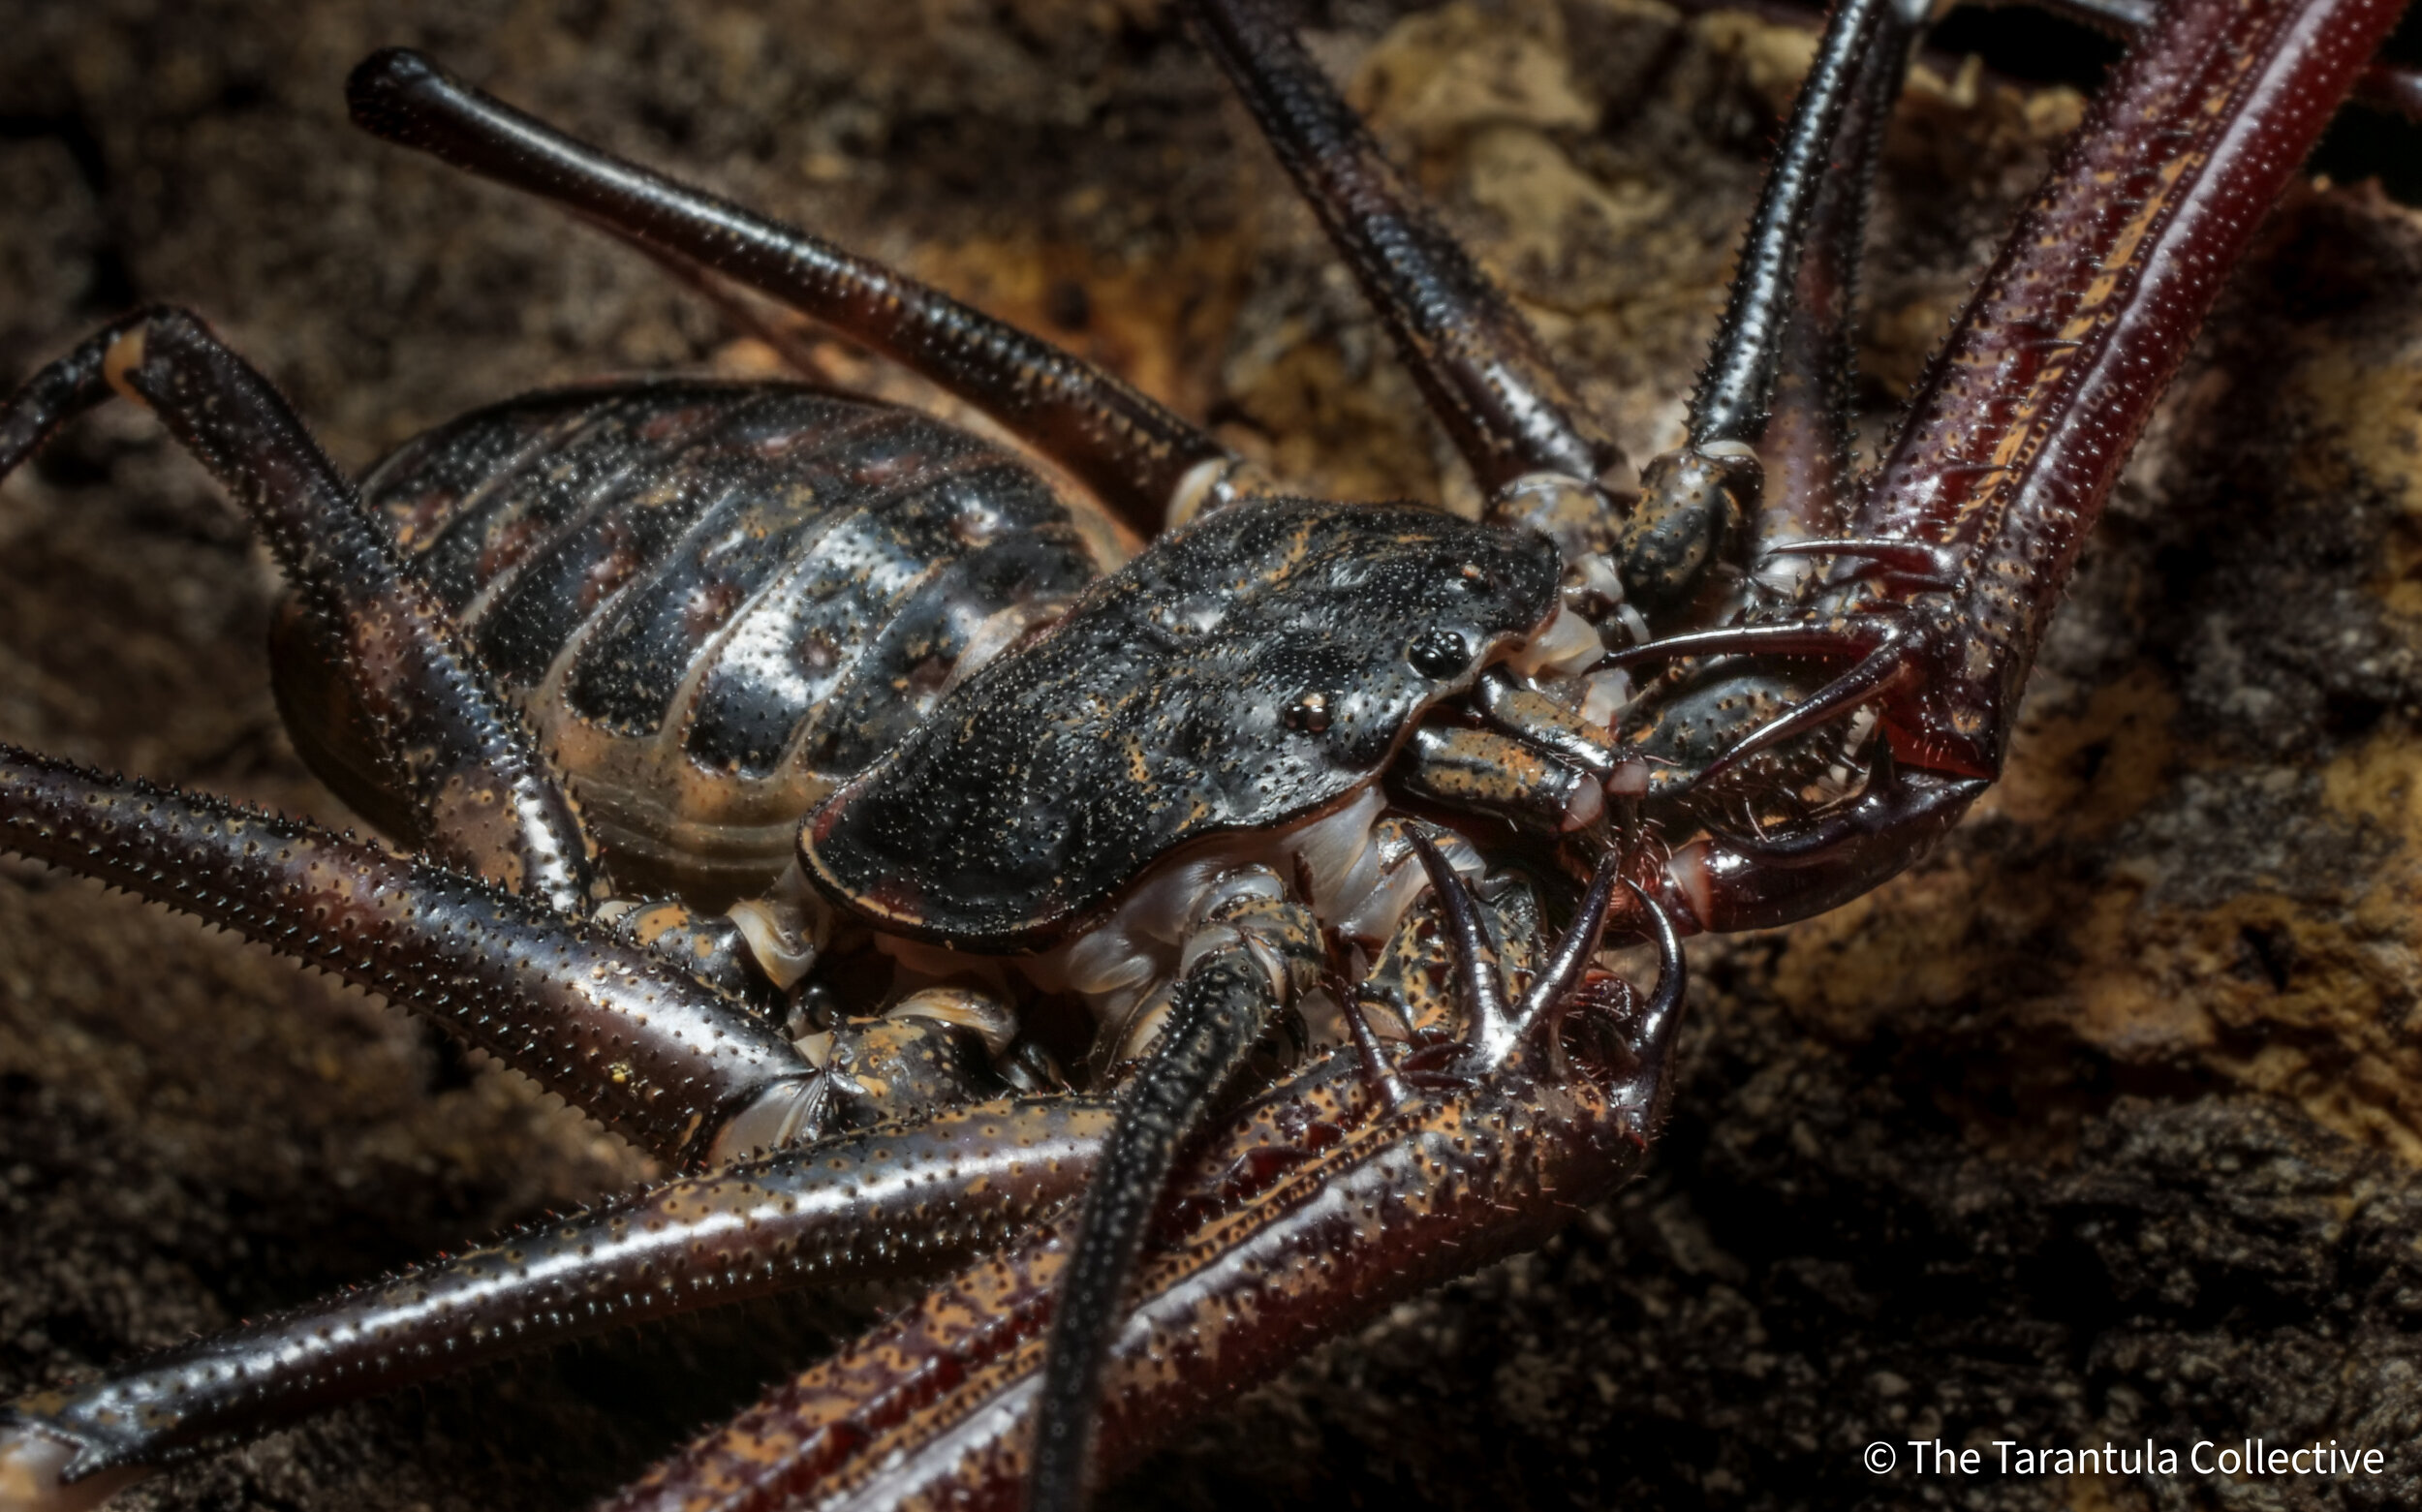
[[1499, 1028], [645, 1049], [1319, 1205], [1137, 455], [1723, 881], [479, 791], [2022, 423], [2381, 85], [895, 1202]]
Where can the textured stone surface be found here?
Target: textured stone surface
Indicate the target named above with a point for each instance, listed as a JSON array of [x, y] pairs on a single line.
[[2102, 1125]]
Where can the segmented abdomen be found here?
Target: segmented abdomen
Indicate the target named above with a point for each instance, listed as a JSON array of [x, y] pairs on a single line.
[[716, 600]]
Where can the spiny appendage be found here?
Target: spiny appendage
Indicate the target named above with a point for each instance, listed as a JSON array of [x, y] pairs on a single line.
[[1887, 648], [1275, 1240], [1477, 359], [1135, 454], [642, 1047], [58, 393], [2019, 430], [1806, 447], [1695, 501], [894, 1202], [1943, 585], [1254, 952], [481, 792], [1736, 387], [1499, 1030]]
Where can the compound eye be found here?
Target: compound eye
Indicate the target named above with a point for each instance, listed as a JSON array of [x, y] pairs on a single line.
[[1440, 654]]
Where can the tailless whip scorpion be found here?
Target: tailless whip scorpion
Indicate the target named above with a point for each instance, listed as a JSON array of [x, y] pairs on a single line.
[[1164, 910]]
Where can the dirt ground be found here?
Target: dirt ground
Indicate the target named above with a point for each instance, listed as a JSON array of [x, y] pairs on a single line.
[[2103, 1124]]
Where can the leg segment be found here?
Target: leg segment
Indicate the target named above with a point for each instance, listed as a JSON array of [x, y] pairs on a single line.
[[2021, 425], [643, 1048], [2381, 85], [1723, 882], [484, 797], [1968, 534], [1501, 1029], [1274, 1249], [1141, 459], [1735, 390], [1485, 772], [1693, 500], [1475, 357], [1805, 448], [898, 1202], [1255, 952]]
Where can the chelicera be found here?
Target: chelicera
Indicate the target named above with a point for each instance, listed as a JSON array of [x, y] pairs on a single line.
[[1397, 668]]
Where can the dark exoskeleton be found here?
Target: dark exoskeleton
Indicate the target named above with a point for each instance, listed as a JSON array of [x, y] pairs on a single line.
[[783, 767]]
